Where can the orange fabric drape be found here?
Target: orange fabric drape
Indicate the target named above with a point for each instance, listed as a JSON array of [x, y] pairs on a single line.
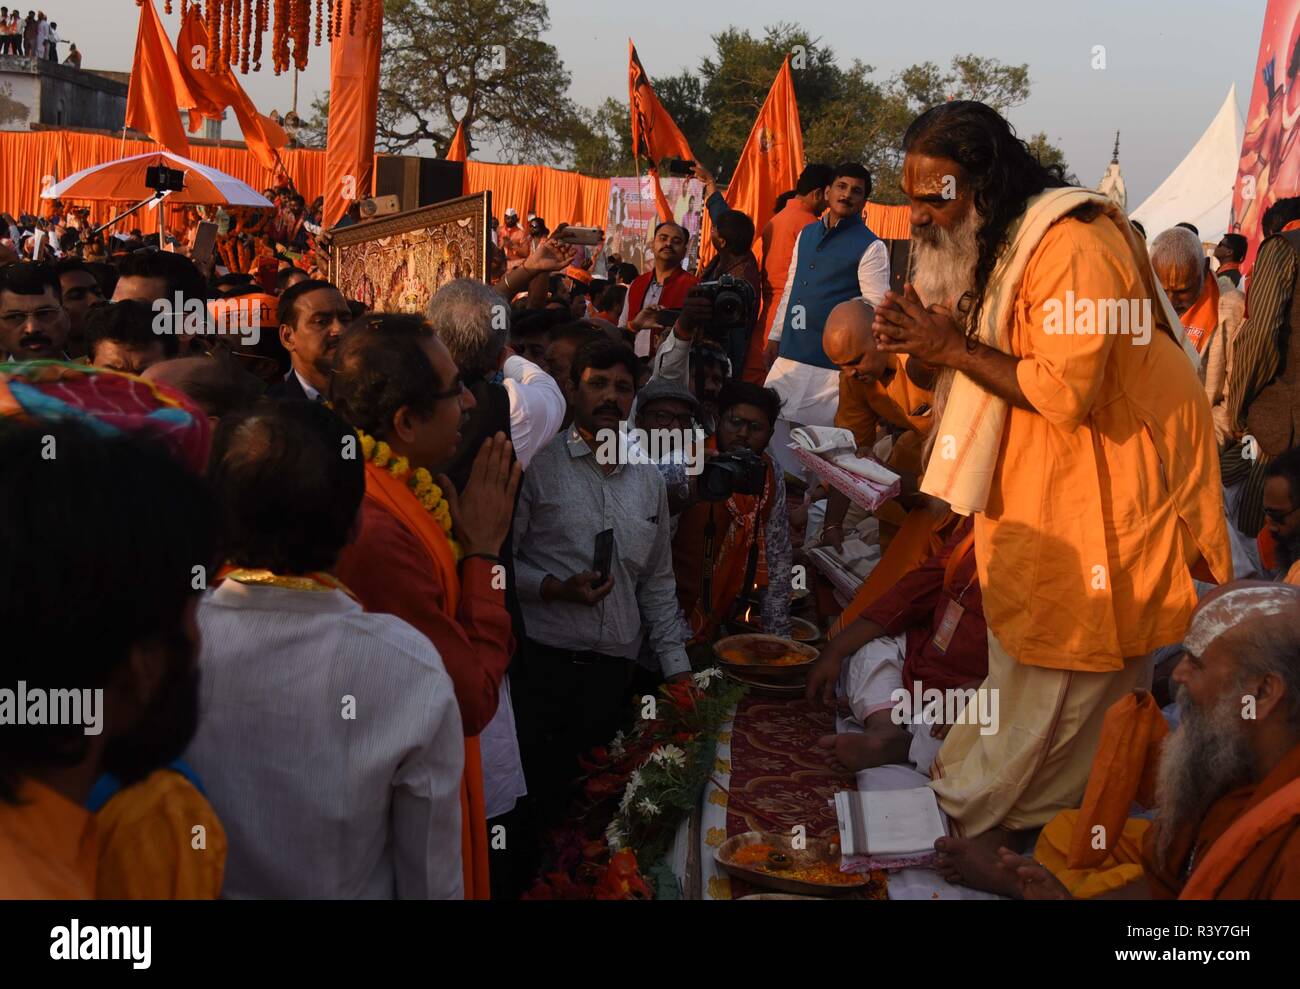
[[214, 91], [888, 222], [458, 150], [157, 91], [556, 196], [769, 163], [354, 101], [31, 156]]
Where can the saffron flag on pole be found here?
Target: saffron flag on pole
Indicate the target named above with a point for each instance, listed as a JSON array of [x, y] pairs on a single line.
[[655, 135], [157, 91], [769, 163], [354, 100], [213, 91], [459, 149]]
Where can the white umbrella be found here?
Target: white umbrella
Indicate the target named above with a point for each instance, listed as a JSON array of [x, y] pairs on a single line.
[[124, 180]]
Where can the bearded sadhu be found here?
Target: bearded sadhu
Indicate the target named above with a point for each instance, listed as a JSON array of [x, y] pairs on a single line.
[[1077, 432]]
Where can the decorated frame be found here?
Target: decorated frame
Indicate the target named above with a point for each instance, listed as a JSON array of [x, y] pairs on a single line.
[[395, 263]]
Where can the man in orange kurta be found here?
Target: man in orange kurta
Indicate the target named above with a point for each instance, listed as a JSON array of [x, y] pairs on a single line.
[[1082, 441], [1228, 826], [403, 562], [778, 238], [1180, 264]]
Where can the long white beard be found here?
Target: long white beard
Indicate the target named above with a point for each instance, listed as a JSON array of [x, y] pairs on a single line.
[[943, 261], [1205, 758]]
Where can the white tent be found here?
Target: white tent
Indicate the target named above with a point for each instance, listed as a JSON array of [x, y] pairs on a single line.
[[1199, 190]]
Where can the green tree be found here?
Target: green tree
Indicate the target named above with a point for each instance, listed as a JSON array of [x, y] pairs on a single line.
[[1049, 154], [480, 61], [602, 140]]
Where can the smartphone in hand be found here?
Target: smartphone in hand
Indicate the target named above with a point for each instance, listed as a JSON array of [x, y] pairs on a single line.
[[603, 558], [585, 236]]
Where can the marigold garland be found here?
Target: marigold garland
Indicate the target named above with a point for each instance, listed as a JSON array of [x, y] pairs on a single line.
[[420, 481]]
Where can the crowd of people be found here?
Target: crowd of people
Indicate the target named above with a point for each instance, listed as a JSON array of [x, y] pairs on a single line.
[[359, 593], [34, 36]]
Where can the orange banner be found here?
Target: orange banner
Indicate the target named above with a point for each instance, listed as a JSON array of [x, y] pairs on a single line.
[[157, 91], [459, 148], [354, 100], [214, 91]]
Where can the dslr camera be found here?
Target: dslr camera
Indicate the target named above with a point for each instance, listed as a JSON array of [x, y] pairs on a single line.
[[733, 303], [735, 472]]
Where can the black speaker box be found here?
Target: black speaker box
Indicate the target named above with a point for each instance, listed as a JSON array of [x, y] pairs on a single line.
[[418, 181]]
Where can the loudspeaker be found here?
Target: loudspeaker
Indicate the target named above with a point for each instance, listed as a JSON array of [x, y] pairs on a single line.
[[418, 181], [379, 206]]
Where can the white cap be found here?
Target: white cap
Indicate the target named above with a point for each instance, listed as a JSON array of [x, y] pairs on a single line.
[[511, 211]]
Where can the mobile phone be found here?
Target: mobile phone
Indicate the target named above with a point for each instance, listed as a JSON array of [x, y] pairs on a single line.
[[681, 166], [205, 239], [586, 236], [667, 317], [604, 556]]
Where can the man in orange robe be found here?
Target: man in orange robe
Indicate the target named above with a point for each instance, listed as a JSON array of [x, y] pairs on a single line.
[[778, 238], [1077, 432], [1228, 781], [1180, 264], [395, 381]]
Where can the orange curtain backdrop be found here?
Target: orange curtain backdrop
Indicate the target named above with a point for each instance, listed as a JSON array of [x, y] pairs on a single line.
[[354, 101], [458, 150], [30, 156], [555, 195], [888, 222], [157, 91], [214, 91], [769, 163]]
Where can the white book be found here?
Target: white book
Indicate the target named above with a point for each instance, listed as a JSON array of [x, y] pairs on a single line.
[[888, 822]]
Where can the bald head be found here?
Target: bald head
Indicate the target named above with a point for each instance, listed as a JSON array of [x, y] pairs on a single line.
[[217, 385], [848, 341]]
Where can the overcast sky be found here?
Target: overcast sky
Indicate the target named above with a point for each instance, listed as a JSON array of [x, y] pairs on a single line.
[[1169, 63]]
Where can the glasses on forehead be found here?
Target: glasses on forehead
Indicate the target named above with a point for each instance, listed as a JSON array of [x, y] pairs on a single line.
[[17, 317]]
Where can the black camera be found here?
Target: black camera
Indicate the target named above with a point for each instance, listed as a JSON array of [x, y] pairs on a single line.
[[735, 472], [160, 178], [733, 302]]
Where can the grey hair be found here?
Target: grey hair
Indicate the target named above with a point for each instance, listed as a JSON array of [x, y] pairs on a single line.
[[1178, 248], [1272, 645], [473, 321]]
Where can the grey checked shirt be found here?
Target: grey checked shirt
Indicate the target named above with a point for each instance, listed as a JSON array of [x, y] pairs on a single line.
[[566, 500]]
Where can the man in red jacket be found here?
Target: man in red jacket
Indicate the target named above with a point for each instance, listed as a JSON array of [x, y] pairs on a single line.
[[664, 286]]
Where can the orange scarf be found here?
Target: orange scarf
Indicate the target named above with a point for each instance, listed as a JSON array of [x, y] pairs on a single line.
[[394, 496], [1232, 848], [1201, 320]]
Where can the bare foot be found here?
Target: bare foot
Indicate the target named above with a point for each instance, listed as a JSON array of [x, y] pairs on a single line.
[[1034, 881], [854, 751], [975, 862]]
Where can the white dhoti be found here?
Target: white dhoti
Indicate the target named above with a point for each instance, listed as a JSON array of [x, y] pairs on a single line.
[[872, 681], [810, 396]]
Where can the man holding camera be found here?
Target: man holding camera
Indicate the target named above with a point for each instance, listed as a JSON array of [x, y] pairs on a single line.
[[663, 287], [735, 539], [835, 259]]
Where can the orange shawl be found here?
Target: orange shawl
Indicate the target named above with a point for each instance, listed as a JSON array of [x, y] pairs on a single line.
[[394, 495], [1123, 770], [1201, 320], [1234, 847]]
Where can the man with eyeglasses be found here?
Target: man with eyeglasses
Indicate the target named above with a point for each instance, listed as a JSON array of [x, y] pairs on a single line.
[[33, 323], [1282, 513], [313, 315]]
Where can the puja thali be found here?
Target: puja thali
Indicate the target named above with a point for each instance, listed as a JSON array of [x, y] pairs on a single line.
[[771, 861]]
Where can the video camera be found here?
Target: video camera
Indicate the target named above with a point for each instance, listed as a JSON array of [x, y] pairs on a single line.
[[733, 302], [160, 178], [735, 472]]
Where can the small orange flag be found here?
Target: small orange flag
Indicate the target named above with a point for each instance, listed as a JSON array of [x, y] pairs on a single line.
[[459, 150], [354, 100], [769, 163], [655, 135], [157, 91], [214, 91]]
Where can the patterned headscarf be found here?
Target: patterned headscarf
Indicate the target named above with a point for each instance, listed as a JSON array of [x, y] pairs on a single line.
[[109, 402]]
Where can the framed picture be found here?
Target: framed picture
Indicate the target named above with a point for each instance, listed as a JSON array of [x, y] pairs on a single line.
[[395, 263]]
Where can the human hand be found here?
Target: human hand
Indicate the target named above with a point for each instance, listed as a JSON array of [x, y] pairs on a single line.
[[550, 255], [581, 588], [705, 176], [481, 513], [646, 318], [833, 536], [1035, 882], [697, 311], [824, 675], [904, 326]]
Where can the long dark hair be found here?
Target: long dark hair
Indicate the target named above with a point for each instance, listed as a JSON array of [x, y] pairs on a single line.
[[1001, 170]]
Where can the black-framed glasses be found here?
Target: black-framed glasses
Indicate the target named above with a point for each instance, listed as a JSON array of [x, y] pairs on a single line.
[[738, 424], [455, 391], [1279, 516], [663, 419], [17, 317]]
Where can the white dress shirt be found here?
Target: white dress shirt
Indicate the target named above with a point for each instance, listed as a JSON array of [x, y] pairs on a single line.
[[316, 804], [537, 407], [810, 394]]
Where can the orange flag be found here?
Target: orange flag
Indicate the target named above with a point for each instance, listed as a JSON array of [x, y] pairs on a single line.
[[214, 91], [459, 150], [157, 91], [769, 163], [354, 100], [655, 135]]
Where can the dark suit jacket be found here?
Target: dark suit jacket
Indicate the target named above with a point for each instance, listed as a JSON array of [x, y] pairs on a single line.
[[288, 388]]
